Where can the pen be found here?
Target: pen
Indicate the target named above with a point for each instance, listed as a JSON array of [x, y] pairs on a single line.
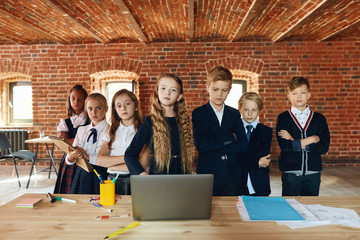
[[107, 216], [122, 230], [98, 205], [65, 199], [98, 176], [117, 175], [51, 199]]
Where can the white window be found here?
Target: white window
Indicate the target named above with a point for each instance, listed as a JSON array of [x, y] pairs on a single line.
[[113, 87], [238, 88], [20, 102]]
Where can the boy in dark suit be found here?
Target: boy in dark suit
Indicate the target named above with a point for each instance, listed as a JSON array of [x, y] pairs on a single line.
[[219, 135], [303, 135], [256, 159]]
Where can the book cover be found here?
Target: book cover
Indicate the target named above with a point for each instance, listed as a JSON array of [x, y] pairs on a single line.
[[268, 209], [64, 146]]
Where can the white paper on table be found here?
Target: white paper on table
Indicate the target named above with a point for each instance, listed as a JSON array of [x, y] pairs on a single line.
[[322, 215]]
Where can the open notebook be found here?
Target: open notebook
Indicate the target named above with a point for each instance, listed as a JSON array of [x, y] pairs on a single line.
[[170, 197]]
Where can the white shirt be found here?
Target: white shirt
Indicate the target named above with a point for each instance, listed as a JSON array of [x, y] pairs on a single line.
[[76, 120], [123, 137], [301, 116], [219, 114], [91, 148]]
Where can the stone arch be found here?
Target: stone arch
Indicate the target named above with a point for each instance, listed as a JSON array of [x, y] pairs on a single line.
[[111, 69], [12, 71], [242, 68]]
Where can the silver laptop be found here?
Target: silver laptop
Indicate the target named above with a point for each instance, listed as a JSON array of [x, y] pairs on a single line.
[[171, 197]]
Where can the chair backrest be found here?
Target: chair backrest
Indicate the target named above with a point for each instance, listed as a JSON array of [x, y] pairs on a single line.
[[4, 142]]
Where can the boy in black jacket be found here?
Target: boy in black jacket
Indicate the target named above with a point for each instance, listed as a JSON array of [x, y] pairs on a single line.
[[303, 135]]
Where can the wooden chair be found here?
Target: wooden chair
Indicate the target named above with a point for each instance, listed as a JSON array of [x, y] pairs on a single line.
[[21, 154]]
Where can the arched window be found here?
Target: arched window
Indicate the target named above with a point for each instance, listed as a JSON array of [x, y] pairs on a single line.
[[238, 88], [16, 100]]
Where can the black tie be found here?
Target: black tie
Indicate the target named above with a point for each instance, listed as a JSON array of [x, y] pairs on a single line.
[[248, 134], [93, 132]]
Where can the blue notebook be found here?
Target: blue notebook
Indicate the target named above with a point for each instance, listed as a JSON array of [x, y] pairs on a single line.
[[270, 209]]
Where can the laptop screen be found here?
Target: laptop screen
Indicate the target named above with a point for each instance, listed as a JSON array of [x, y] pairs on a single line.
[[171, 197]]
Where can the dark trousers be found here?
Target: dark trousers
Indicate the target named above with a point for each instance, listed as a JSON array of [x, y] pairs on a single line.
[[122, 184], [300, 185], [230, 188]]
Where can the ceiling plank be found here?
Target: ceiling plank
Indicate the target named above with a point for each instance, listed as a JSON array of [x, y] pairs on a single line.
[[191, 20], [74, 21], [340, 30], [249, 15], [132, 23], [297, 24], [31, 27]]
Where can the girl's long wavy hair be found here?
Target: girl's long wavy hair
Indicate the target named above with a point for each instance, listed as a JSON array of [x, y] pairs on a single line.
[[115, 118], [161, 137]]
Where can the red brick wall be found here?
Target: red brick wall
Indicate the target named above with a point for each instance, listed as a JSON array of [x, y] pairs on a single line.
[[333, 69]]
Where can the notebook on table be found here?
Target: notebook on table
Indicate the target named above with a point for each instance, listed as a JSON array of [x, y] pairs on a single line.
[[171, 197]]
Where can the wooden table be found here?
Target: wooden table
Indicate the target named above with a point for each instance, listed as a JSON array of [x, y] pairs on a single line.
[[45, 141], [63, 220]]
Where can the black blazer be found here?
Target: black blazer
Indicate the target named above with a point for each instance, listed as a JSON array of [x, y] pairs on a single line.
[[217, 145], [259, 146]]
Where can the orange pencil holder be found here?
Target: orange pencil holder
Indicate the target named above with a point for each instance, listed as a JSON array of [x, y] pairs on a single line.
[[107, 193]]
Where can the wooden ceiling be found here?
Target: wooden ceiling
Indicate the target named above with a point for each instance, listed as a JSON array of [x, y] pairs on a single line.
[[106, 21]]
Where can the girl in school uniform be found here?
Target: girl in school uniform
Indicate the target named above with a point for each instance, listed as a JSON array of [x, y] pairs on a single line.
[[88, 142], [67, 130], [166, 131], [256, 159], [126, 118]]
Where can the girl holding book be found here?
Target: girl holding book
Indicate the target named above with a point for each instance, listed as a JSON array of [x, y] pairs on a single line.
[[87, 143]]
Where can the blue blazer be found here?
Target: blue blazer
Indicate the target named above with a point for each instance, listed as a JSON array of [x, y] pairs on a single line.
[[259, 146], [217, 146]]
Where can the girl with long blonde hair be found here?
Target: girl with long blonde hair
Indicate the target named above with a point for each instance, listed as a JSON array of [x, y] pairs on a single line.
[[166, 131]]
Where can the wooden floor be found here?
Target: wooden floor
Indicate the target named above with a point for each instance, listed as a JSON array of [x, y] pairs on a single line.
[[335, 181]]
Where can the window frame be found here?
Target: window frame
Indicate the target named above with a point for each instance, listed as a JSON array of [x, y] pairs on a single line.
[[11, 119]]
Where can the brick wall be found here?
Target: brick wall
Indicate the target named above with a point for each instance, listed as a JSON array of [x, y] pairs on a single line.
[[333, 69]]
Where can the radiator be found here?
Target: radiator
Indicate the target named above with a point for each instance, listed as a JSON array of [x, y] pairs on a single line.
[[16, 138]]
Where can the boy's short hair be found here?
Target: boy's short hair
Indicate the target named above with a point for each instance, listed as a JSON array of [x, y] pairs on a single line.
[[252, 96], [296, 82], [219, 74]]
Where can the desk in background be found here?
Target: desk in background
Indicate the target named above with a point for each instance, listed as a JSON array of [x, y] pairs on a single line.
[[45, 141], [63, 220]]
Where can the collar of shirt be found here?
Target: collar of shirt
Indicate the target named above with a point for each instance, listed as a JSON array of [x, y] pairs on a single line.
[[301, 116], [219, 114], [254, 124], [100, 126], [123, 127], [78, 120]]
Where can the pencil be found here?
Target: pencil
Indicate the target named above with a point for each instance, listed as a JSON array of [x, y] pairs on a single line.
[[114, 180], [115, 216], [98, 176], [122, 230]]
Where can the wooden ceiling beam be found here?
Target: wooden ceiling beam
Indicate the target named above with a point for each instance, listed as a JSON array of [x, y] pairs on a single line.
[[249, 15], [296, 25], [191, 20], [340, 30], [133, 25], [72, 20], [30, 27]]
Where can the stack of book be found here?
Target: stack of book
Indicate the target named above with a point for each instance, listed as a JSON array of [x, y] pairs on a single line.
[[29, 202]]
